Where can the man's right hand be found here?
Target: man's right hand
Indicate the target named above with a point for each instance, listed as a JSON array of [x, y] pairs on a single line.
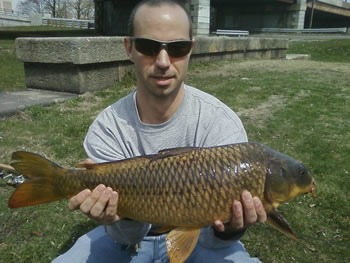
[[100, 204]]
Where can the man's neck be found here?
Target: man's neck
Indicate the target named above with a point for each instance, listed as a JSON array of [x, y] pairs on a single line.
[[156, 110]]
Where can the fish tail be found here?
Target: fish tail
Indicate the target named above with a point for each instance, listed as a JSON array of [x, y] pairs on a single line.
[[40, 185]]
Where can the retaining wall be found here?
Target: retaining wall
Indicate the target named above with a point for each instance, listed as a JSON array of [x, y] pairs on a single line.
[[80, 64]]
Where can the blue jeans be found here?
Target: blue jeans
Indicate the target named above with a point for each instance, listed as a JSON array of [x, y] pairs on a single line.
[[97, 246]]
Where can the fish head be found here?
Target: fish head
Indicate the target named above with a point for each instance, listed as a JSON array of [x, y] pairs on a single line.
[[286, 178]]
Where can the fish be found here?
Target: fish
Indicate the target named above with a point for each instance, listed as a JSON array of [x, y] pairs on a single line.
[[181, 189]]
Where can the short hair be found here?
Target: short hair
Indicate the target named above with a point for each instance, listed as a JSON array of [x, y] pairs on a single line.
[[154, 3]]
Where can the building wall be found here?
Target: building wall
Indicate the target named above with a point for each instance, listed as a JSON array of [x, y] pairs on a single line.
[[245, 16], [6, 5]]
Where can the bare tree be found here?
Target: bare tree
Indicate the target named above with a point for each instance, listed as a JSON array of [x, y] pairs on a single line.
[[82, 8], [89, 10], [79, 9], [51, 7], [31, 6]]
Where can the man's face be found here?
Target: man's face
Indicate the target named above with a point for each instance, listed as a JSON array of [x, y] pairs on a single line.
[[160, 75]]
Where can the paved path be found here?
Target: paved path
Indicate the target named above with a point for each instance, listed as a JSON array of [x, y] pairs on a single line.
[[11, 102]]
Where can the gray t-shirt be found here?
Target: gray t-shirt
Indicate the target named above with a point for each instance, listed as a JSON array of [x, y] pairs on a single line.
[[118, 133]]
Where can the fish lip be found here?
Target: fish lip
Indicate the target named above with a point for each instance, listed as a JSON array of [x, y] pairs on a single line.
[[312, 188]]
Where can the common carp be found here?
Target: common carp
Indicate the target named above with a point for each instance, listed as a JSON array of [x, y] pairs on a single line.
[[185, 188]]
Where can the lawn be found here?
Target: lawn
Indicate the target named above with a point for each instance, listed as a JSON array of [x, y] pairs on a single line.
[[300, 108]]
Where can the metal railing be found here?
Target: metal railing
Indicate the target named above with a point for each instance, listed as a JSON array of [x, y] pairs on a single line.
[[231, 32], [64, 22], [305, 30]]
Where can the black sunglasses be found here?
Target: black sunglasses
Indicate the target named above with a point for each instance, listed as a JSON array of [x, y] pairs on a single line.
[[151, 47]]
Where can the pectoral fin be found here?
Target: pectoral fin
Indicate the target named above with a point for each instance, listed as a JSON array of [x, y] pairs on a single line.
[[180, 243], [276, 220]]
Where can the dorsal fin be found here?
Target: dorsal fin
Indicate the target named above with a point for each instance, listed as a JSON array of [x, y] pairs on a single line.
[[107, 164], [173, 152]]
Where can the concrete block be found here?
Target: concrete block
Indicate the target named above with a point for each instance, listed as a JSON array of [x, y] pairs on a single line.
[[74, 65], [75, 50], [298, 57]]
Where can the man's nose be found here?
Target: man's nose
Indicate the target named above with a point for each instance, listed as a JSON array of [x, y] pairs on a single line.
[[163, 59]]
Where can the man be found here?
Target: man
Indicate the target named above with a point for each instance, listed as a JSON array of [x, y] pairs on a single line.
[[162, 113]]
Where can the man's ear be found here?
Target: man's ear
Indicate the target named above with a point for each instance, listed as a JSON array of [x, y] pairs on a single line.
[[128, 47], [193, 44]]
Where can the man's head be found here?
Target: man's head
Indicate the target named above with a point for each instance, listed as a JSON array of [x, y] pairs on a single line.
[[160, 46], [155, 3]]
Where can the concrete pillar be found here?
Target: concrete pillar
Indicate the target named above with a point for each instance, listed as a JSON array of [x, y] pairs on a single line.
[[200, 13], [296, 15], [35, 20]]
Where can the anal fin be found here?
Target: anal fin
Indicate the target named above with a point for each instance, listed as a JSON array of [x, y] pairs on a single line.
[[180, 243]]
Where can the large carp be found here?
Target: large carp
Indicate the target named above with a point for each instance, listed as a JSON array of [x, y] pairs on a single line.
[[187, 188]]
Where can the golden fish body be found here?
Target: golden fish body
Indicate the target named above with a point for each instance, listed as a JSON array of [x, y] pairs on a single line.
[[184, 187]]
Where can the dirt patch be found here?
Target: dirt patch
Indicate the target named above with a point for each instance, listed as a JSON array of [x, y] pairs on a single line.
[[266, 110], [279, 65]]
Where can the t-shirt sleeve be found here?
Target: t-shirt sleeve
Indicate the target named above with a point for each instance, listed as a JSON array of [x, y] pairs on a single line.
[[101, 142], [224, 128]]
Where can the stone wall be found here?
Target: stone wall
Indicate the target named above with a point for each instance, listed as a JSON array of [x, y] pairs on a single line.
[[83, 64]]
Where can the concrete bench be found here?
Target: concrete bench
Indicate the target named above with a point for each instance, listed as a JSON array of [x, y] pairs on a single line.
[[81, 64], [231, 32]]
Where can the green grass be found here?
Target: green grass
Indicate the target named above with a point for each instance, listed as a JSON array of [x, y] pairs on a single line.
[[11, 70], [300, 108], [331, 50]]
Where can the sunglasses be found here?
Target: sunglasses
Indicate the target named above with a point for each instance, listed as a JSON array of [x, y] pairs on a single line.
[[151, 47]]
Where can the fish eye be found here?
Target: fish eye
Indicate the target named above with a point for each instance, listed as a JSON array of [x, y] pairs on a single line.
[[282, 171], [302, 170]]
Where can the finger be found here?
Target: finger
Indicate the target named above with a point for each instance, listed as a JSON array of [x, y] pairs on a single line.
[[219, 226], [260, 211], [75, 202], [89, 161], [111, 210], [90, 201], [97, 210], [250, 215], [237, 220]]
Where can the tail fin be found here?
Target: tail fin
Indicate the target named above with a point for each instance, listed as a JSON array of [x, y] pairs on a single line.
[[40, 187]]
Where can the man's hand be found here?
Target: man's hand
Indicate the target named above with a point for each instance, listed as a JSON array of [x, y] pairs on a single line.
[[249, 212], [100, 204]]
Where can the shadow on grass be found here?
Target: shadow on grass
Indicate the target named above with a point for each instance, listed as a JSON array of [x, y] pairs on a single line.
[[78, 231]]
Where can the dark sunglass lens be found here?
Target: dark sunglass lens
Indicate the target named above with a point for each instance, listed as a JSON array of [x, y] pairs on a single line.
[[147, 47], [179, 48]]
